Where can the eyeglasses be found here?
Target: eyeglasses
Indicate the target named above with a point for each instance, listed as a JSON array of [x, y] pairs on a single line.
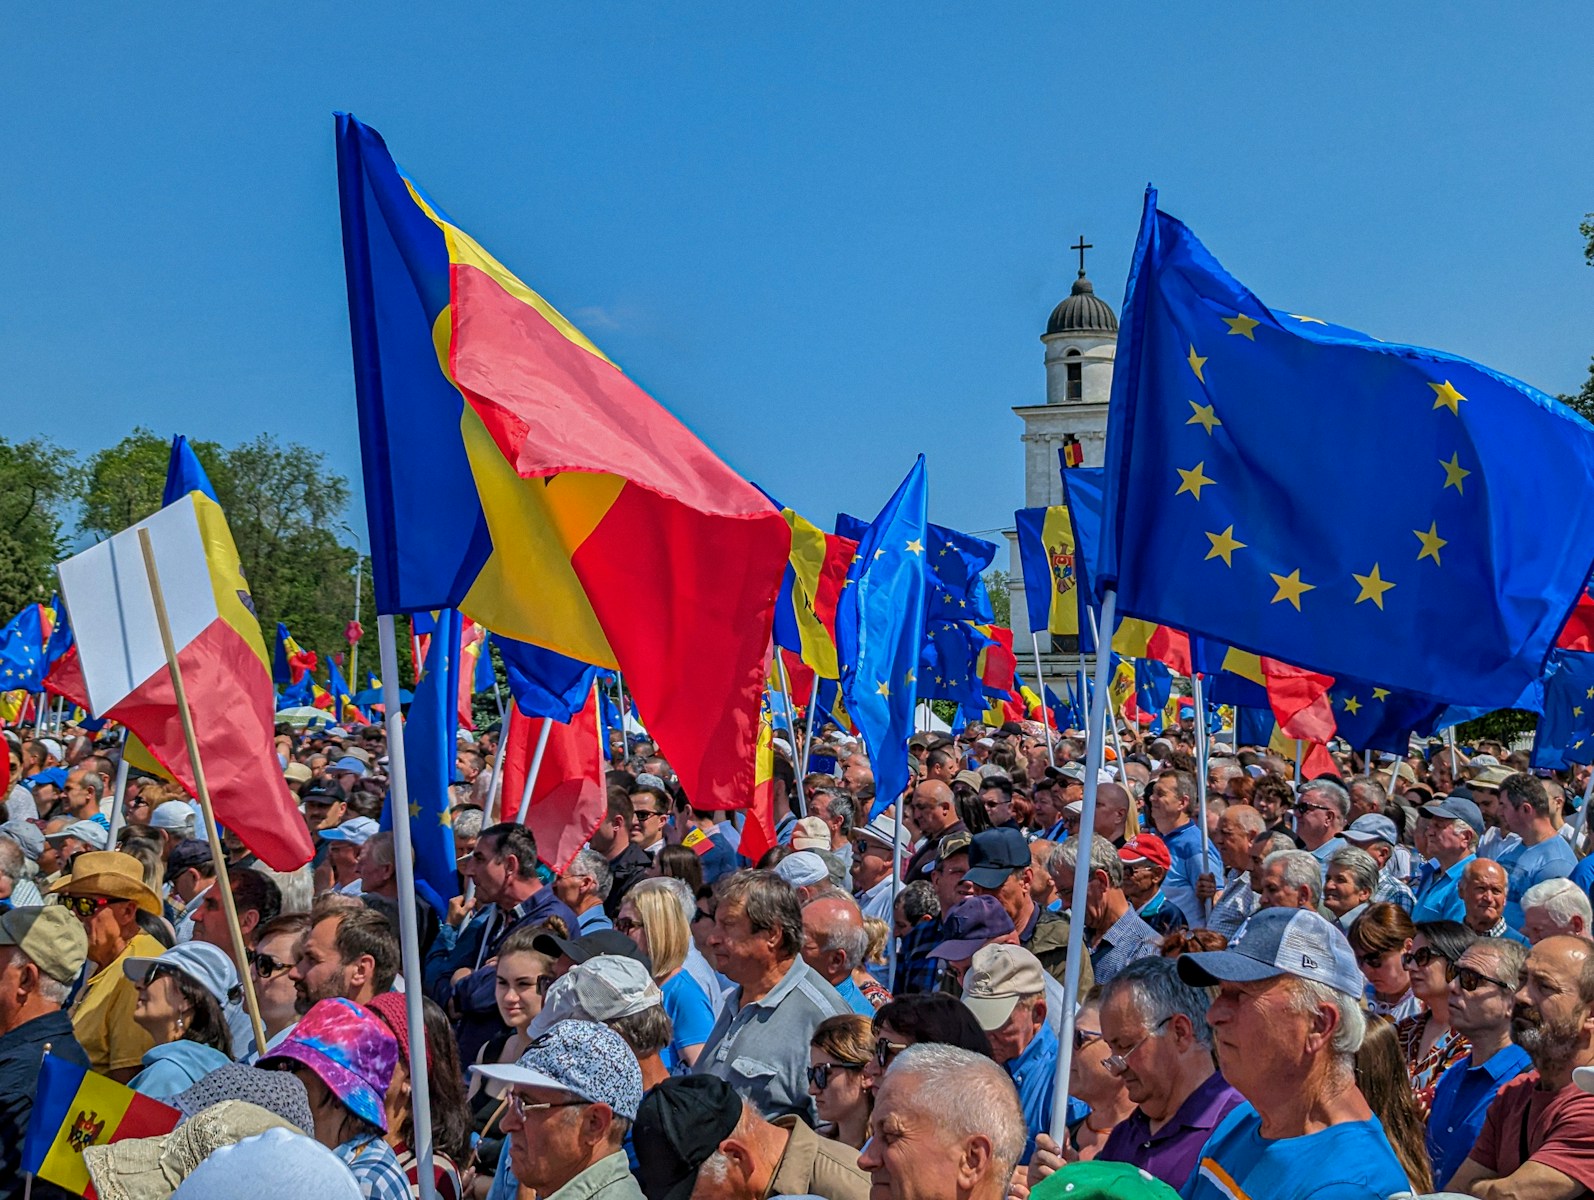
[[1117, 1064], [626, 925], [819, 1073], [1086, 1037], [1419, 958], [267, 967], [84, 907], [1303, 807], [885, 1051], [520, 1107], [644, 814], [1371, 961], [1469, 980]]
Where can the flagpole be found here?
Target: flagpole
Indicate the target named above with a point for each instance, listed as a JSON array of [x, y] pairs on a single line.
[[808, 741], [498, 752], [625, 734], [785, 694], [896, 887], [1300, 753], [536, 763], [1046, 721], [603, 746], [404, 865], [1095, 745], [1450, 738], [354, 649], [119, 791], [201, 789], [1201, 769]]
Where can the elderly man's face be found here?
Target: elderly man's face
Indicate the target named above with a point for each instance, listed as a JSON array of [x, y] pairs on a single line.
[[908, 1156], [947, 879], [1483, 892], [741, 954], [1150, 1058], [1316, 819], [1258, 1036], [1276, 893], [1167, 806]]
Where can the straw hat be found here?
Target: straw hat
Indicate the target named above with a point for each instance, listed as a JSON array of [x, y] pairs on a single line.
[[109, 873]]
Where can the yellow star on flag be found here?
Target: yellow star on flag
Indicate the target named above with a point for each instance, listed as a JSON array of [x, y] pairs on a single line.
[[1432, 543], [1373, 586], [914, 547], [1196, 363], [911, 677], [1590, 695], [1577, 710], [1380, 693], [1204, 416], [883, 690], [1454, 471], [1224, 546], [1291, 588], [1193, 480], [415, 809], [1353, 705], [1447, 396], [1309, 320], [1242, 325]]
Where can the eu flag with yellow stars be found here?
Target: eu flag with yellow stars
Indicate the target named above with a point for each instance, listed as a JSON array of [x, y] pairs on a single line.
[[1566, 730], [429, 756], [1309, 493], [22, 658], [1370, 717], [879, 628]]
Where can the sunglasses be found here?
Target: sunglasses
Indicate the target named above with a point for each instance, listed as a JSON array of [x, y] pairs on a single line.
[[84, 907], [1371, 961], [644, 814], [1420, 957], [885, 1051], [267, 967], [626, 925], [1303, 807], [1469, 980], [819, 1073], [1086, 1037]]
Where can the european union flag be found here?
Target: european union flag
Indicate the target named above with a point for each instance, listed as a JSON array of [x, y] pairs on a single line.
[[1566, 730], [22, 651], [1153, 686], [184, 474], [879, 628], [1379, 718], [545, 684], [1246, 501], [1084, 493], [429, 755]]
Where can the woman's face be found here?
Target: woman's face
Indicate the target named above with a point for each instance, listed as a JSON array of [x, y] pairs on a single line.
[[1384, 971], [523, 980], [397, 1101], [629, 922], [844, 1094], [1428, 981], [1088, 1077], [159, 1003], [896, 1042]]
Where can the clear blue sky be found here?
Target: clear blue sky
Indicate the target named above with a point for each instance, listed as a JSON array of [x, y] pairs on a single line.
[[826, 242]]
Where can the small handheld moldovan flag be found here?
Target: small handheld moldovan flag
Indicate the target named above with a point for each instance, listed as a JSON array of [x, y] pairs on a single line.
[[73, 1109]]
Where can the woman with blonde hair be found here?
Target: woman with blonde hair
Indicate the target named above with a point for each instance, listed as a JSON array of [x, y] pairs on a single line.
[[837, 1055], [654, 918]]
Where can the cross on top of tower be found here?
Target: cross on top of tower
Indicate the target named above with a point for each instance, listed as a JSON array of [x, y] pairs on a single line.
[[1082, 245]]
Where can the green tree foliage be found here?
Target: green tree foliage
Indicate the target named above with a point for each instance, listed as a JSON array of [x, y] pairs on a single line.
[[1001, 598], [38, 481], [1502, 726], [1582, 401]]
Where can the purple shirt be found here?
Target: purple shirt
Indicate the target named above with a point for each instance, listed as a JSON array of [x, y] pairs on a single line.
[[1172, 1152]]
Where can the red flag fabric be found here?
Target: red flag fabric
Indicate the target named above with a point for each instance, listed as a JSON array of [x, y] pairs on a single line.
[[1300, 702], [569, 798], [353, 631]]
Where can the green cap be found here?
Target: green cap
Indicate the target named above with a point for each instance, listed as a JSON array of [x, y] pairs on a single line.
[[1097, 1180]]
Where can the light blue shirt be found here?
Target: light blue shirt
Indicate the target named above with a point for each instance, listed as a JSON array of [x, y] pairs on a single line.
[[176, 1067], [1437, 896], [1034, 1074], [593, 919], [1461, 1100], [1184, 847], [691, 1015], [1349, 1161], [853, 995], [1527, 865]]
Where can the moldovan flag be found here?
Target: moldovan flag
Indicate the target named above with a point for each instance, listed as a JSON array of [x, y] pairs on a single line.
[[569, 798], [75, 1108], [118, 667]]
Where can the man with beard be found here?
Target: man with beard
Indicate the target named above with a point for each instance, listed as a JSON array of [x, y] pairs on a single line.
[[349, 952], [1536, 1139]]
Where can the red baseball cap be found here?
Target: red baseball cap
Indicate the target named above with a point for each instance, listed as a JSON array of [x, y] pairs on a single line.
[[1146, 847]]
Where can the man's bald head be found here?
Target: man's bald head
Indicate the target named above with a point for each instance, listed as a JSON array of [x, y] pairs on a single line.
[[1484, 870], [834, 939], [933, 807], [1112, 808], [1243, 819]]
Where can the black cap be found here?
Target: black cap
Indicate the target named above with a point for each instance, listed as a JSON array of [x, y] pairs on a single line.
[[682, 1121], [599, 941], [1012, 729], [190, 852], [324, 792]]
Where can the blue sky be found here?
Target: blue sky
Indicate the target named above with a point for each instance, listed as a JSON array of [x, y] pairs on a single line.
[[827, 241]]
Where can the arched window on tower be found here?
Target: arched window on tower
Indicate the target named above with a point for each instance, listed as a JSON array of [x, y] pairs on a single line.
[[1075, 383]]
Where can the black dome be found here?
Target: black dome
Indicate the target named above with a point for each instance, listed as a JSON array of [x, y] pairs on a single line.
[[1082, 312]]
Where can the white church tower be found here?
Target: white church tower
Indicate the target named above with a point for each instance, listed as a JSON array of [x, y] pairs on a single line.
[[1080, 339]]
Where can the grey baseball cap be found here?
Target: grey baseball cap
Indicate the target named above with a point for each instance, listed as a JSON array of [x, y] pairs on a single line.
[[1457, 808], [1374, 827], [1279, 941]]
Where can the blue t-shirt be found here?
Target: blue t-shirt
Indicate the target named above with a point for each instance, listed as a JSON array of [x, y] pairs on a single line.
[[1350, 1161], [1527, 865], [853, 995], [691, 1015], [1583, 875], [1461, 1101]]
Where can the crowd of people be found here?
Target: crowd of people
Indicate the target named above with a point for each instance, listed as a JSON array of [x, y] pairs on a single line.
[[1374, 984]]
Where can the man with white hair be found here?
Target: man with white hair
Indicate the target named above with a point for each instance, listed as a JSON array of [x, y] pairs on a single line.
[[1555, 906], [1115, 935], [1291, 879], [946, 1125], [1238, 827], [1322, 810], [584, 886], [1286, 1024]]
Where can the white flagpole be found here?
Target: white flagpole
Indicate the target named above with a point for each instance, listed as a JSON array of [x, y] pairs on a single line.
[[1300, 754], [785, 696], [119, 791], [1450, 739], [1201, 768], [808, 740], [1095, 745], [404, 865], [896, 887], [1040, 679], [536, 764]]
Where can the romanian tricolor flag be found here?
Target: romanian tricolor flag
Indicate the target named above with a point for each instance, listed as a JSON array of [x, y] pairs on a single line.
[[515, 473], [117, 668], [291, 662], [805, 613], [74, 1108]]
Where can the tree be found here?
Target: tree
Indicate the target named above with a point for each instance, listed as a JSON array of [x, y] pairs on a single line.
[[1582, 401], [38, 480], [1001, 597]]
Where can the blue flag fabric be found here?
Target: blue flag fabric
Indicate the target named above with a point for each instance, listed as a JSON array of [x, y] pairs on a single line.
[[1566, 730], [1432, 560], [298, 694], [1369, 717], [879, 630], [339, 691], [429, 755], [184, 474], [22, 662], [1084, 491], [280, 674], [545, 684], [1253, 726], [1153, 686]]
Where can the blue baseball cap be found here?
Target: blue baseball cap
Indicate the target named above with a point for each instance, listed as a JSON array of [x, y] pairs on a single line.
[[1457, 808], [974, 921], [994, 855], [1279, 941]]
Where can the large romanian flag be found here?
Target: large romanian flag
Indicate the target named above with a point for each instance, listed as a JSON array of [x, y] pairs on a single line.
[[74, 1108], [515, 473], [117, 668]]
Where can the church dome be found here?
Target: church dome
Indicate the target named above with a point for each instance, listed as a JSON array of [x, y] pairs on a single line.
[[1082, 312]]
